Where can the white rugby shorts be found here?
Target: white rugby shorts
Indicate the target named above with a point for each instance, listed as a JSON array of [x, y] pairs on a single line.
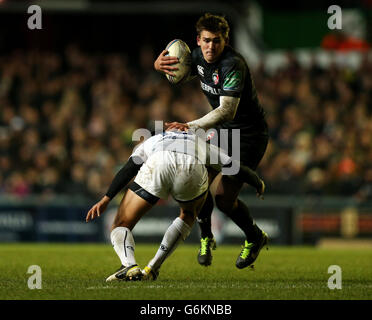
[[178, 174]]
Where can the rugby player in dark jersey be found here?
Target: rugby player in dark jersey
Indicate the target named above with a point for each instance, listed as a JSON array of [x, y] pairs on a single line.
[[226, 81]]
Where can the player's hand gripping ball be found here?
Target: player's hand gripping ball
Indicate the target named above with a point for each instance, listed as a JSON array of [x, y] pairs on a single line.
[[178, 48]]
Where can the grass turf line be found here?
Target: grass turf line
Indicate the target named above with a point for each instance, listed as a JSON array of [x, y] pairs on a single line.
[[78, 271]]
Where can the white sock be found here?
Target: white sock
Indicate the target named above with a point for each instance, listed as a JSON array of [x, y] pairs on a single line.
[[178, 231], [123, 243]]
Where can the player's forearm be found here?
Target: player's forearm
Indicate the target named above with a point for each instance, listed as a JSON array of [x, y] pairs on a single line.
[[210, 120], [225, 112], [122, 178]]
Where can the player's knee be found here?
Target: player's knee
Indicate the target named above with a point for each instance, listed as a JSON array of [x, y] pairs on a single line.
[[121, 223]]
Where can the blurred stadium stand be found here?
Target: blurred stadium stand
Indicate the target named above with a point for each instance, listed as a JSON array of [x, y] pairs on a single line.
[[72, 93]]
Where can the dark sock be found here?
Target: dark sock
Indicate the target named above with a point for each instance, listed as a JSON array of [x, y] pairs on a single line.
[[242, 218], [204, 217]]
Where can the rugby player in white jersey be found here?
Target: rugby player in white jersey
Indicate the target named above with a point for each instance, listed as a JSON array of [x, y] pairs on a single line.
[[168, 163]]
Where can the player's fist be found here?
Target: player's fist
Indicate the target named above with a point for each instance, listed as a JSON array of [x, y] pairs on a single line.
[[164, 63]]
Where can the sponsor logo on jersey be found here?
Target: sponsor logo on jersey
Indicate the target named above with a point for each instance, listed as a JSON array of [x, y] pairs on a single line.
[[233, 80], [215, 76], [200, 70], [210, 89]]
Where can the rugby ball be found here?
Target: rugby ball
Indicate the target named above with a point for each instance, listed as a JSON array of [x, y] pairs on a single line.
[[178, 48]]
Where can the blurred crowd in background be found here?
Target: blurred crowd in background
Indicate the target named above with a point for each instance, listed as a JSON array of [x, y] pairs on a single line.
[[66, 122]]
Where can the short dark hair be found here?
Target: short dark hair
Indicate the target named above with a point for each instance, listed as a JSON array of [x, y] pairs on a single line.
[[213, 23]]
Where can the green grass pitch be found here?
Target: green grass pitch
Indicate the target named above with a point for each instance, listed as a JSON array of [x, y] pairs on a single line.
[[77, 271]]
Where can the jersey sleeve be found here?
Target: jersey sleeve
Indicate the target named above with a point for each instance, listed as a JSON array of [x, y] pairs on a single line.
[[233, 78], [139, 154]]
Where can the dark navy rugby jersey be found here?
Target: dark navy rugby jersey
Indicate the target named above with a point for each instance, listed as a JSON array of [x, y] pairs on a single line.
[[230, 76]]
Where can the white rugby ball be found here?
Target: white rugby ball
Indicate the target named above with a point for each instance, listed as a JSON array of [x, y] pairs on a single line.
[[178, 48]]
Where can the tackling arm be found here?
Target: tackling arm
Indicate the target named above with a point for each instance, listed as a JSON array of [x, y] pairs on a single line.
[[225, 112]]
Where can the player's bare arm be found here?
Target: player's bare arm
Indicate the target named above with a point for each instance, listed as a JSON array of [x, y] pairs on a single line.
[[164, 63], [225, 112]]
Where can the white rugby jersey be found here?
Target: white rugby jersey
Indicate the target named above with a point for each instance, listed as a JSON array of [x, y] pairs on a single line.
[[183, 142]]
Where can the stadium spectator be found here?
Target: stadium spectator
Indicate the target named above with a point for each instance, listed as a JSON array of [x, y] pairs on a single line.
[[73, 111]]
